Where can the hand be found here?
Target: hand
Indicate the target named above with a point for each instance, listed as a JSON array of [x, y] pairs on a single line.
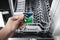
[[15, 22]]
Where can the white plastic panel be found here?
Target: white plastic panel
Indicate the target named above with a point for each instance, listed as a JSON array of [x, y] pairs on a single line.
[[1, 20]]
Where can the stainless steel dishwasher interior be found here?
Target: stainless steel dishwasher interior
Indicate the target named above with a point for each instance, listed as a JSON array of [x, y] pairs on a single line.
[[40, 15]]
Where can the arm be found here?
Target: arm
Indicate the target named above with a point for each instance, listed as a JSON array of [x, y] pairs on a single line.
[[12, 24]]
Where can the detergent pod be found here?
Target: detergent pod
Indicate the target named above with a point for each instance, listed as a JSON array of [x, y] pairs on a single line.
[[28, 17]]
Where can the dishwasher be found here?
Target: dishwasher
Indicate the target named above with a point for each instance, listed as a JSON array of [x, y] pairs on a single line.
[[37, 17]]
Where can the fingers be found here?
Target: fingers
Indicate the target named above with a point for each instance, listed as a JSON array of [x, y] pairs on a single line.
[[17, 21], [21, 25], [18, 17], [21, 16], [14, 18]]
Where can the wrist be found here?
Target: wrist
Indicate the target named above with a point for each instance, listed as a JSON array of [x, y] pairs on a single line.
[[4, 33]]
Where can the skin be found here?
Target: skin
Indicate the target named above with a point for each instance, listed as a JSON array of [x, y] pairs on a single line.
[[12, 24]]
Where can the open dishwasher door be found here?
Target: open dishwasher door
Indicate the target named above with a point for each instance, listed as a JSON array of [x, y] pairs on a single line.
[[37, 17]]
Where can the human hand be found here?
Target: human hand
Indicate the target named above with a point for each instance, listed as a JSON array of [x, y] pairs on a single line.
[[12, 24], [15, 22]]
